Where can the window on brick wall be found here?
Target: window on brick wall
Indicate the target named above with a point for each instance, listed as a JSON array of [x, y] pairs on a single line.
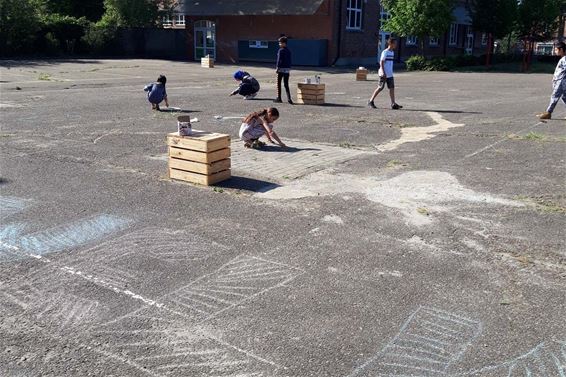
[[433, 41], [484, 39], [180, 20], [258, 44], [453, 38], [167, 21], [411, 40], [354, 14]]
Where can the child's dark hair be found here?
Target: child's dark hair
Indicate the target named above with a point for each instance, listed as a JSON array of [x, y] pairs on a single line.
[[283, 40], [272, 111], [561, 46], [162, 79], [391, 40]]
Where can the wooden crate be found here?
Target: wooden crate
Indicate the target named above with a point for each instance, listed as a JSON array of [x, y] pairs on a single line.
[[201, 141], [207, 62], [361, 74], [202, 158], [200, 179], [310, 94]]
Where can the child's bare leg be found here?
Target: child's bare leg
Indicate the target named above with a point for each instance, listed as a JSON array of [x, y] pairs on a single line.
[[392, 95], [375, 93]]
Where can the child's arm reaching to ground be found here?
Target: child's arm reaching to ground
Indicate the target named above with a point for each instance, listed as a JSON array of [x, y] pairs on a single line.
[[272, 135]]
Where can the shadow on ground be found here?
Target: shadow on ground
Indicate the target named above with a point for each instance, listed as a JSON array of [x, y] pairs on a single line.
[[247, 184], [442, 111], [177, 110]]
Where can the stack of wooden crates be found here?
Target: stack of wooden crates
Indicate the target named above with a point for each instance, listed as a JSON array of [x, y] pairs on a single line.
[[311, 94], [207, 62], [202, 158], [361, 74]]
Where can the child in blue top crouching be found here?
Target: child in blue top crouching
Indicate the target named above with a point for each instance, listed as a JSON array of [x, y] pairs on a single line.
[[156, 92]]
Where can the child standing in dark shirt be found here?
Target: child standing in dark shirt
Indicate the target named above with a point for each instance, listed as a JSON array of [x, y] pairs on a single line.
[[283, 69]]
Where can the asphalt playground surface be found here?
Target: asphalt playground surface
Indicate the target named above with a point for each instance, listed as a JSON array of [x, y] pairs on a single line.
[[422, 242]]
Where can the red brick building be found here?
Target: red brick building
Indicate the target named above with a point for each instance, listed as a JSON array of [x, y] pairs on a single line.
[[324, 31], [459, 39]]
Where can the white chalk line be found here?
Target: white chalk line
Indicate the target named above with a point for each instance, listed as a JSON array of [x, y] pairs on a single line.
[[237, 260], [85, 276], [499, 142]]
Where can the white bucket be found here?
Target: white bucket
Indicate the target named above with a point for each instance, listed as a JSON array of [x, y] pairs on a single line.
[[184, 125]]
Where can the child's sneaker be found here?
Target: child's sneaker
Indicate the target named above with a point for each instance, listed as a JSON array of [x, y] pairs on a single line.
[[545, 115], [371, 105], [258, 144], [247, 144], [396, 106], [250, 96]]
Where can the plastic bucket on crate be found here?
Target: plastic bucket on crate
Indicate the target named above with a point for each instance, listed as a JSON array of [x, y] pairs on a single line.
[[184, 125]]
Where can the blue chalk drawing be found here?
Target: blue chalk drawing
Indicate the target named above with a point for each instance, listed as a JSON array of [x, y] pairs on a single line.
[[72, 235], [14, 245], [432, 340], [428, 343], [10, 205], [548, 359]]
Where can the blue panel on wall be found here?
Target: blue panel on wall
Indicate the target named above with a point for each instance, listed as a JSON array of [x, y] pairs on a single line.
[[309, 52]]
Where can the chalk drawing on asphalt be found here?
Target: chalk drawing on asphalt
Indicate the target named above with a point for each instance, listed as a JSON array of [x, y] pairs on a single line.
[[10, 205], [14, 245], [112, 260], [548, 359], [431, 341], [178, 348], [427, 344], [152, 341], [239, 280]]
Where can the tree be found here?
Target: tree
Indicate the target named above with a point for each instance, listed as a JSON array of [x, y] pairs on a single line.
[[537, 21], [90, 9], [19, 23], [420, 18], [494, 17], [134, 13]]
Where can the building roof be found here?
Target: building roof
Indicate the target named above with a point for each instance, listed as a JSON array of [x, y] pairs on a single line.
[[250, 7]]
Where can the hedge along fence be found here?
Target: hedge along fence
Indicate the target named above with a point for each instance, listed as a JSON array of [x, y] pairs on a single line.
[[56, 35], [448, 63]]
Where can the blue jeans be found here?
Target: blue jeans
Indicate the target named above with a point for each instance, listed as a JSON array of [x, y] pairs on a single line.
[[558, 93]]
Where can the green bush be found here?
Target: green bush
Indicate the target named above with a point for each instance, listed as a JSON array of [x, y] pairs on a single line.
[[67, 30], [440, 64], [19, 23], [99, 39], [416, 63], [465, 60]]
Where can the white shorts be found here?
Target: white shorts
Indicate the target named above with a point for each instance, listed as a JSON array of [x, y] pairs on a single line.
[[248, 132]]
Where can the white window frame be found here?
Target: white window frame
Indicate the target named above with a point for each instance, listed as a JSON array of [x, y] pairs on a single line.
[[484, 39], [433, 41], [258, 44], [179, 19], [411, 40], [167, 21], [354, 8], [384, 15], [453, 37]]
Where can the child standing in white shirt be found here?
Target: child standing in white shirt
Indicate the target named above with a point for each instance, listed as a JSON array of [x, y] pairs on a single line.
[[386, 75]]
